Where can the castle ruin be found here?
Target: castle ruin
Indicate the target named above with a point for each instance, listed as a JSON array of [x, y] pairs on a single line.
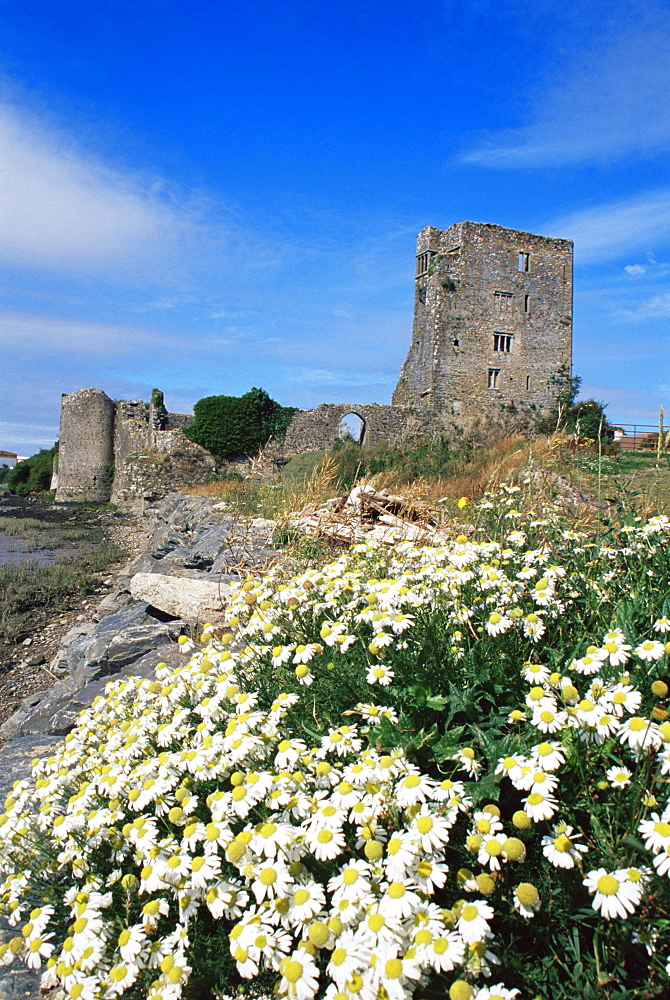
[[492, 320], [126, 451], [492, 335]]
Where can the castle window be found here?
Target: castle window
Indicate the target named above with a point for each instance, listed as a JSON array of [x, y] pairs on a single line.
[[457, 342], [527, 382], [503, 301], [502, 342], [524, 261], [493, 378], [526, 303], [423, 262]]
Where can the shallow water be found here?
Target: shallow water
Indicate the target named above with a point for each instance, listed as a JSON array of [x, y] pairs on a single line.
[[16, 550]]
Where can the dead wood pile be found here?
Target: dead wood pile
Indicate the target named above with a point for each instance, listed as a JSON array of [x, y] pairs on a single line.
[[369, 513]]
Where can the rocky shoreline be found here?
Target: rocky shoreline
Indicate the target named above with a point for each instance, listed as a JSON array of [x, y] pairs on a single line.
[[191, 550]]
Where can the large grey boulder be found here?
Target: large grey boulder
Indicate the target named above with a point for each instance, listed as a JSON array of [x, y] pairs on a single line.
[[119, 639], [205, 547], [166, 541], [53, 713], [196, 601]]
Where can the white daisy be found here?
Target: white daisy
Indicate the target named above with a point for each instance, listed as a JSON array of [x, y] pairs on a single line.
[[618, 777], [548, 755], [614, 894], [473, 922], [379, 674], [300, 976], [650, 650], [562, 849], [640, 734], [539, 806]]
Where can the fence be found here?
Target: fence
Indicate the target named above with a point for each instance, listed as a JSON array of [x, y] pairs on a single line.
[[636, 437]]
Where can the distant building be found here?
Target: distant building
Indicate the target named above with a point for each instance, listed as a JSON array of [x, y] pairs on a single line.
[[8, 459]]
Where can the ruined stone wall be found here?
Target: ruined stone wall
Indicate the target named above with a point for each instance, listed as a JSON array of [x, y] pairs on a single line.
[[492, 321], [86, 452], [152, 455], [124, 451], [317, 430]]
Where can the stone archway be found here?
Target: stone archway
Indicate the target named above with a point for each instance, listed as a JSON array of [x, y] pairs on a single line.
[[352, 427], [317, 430]]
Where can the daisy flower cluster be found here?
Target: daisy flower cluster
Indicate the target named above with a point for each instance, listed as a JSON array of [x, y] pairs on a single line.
[[324, 863], [382, 771]]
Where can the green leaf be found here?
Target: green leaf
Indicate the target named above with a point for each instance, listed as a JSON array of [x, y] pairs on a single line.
[[485, 788]]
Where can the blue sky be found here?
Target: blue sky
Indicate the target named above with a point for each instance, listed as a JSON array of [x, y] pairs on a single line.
[[203, 196]]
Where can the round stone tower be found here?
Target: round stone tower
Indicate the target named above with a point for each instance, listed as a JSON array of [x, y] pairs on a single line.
[[86, 450]]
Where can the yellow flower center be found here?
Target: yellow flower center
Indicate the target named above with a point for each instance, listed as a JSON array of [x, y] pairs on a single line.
[[608, 885], [292, 971]]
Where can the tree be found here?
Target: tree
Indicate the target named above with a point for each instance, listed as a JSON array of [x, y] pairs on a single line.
[[585, 417], [33, 475], [232, 426]]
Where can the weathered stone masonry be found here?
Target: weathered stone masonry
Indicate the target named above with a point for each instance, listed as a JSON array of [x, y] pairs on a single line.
[[313, 430], [492, 329], [126, 451], [492, 320]]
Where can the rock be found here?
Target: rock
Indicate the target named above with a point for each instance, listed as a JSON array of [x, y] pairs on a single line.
[[206, 547], [144, 563], [195, 601], [16, 757], [113, 602], [76, 633], [119, 639], [165, 542]]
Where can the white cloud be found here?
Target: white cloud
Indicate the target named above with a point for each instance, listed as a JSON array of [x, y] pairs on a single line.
[[325, 377], [609, 231], [656, 307], [39, 336], [34, 436], [627, 405], [635, 269], [608, 103], [63, 210]]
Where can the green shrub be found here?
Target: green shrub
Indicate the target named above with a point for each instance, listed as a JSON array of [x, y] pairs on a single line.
[[584, 417], [232, 426], [430, 459], [33, 475]]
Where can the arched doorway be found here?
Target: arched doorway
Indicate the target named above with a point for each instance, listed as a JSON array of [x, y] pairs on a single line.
[[351, 428]]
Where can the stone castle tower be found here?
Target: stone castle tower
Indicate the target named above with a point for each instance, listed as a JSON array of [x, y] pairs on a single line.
[[492, 320]]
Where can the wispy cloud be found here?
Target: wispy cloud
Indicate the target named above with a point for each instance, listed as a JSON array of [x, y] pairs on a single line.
[[655, 307], [40, 336], [628, 404], [63, 210], [607, 103], [30, 435], [326, 377], [621, 227], [66, 211]]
